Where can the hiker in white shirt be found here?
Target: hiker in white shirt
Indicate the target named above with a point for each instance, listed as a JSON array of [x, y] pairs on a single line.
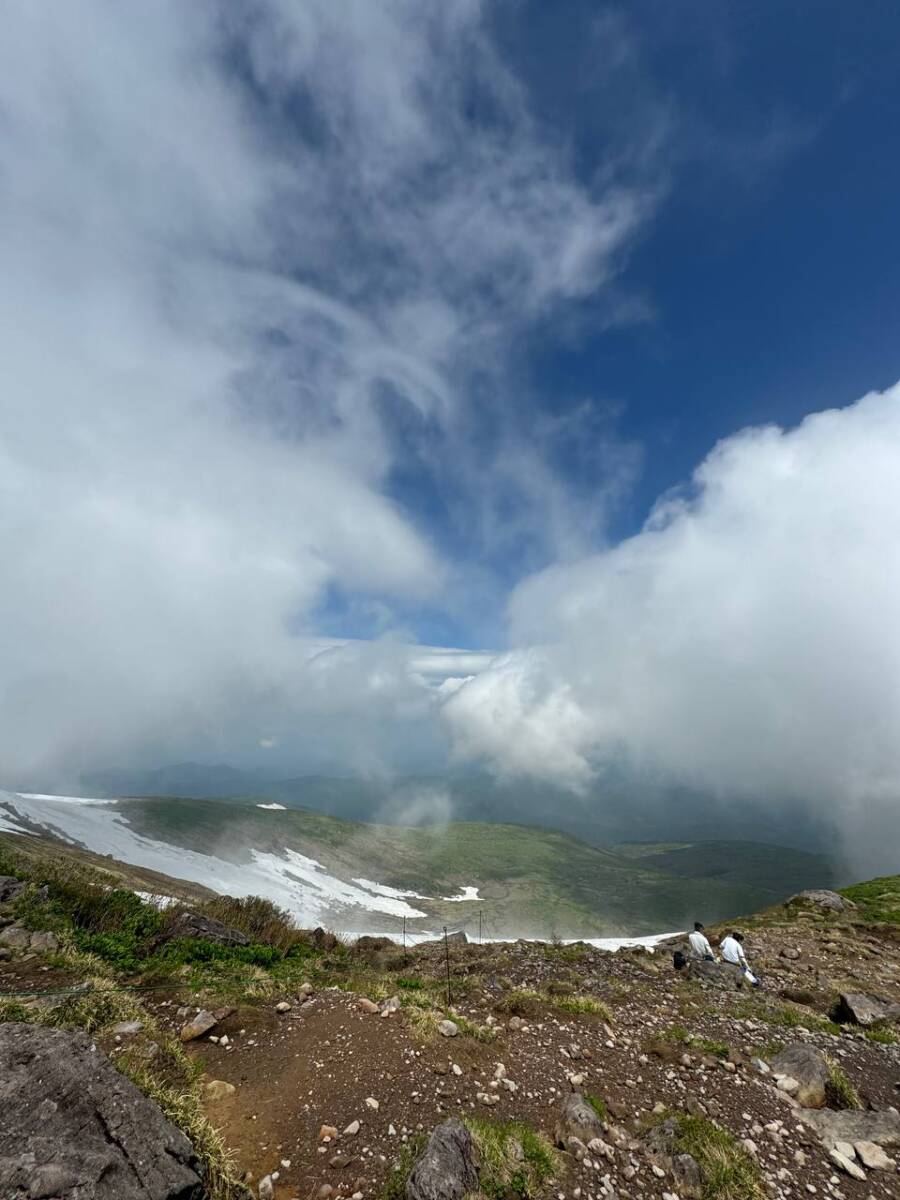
[[733, 952], [700, 947]]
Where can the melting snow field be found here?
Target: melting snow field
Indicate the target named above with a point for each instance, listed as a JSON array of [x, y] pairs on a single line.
[[292, 880], [273, 807]]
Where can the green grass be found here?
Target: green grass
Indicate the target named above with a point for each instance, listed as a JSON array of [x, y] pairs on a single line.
[[516, 1162], [728, 1172], [677, 1035], [883, 1037], [840, 1091], [578, 1005], [394, 1187], [878, 899], [598, 1105]]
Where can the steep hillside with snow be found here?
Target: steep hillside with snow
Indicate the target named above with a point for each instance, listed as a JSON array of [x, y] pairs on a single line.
[[513, 880]]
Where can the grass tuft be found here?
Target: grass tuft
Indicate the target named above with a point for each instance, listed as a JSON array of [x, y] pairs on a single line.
[[840, 1091], [516, 1162], [598, 1105], [727, 1170]]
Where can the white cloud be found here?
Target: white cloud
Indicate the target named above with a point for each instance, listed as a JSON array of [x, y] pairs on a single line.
[[228, 233], [747, 640]]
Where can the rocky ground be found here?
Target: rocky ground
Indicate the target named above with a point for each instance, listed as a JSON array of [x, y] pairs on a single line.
[[647, 1081]]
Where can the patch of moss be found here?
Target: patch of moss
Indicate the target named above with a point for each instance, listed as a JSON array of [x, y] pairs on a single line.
[[394, 1187], [598, 1105]]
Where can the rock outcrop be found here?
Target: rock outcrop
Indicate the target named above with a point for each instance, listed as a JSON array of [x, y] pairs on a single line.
[[447, 1169], [10, 888], [850, 1126], [822, 898], [861, 1009], [75, 1129], [193, 925], [577, 1120], [806, 1066]]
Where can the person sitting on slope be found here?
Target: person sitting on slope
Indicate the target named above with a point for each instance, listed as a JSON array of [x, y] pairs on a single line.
[[700, 947], [733, 952]]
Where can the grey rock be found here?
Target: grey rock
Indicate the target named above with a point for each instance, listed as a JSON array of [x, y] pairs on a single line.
[[44, 942], [861, 1009], [846, 1165], [718, 974], [848, 1125], [577, 1119], [448, 1028], [458, 937], [75, 1129], [193, 925], [127, 1027], [873, 1157], [808, 1067], [16, 937], [202, 1023], [447, 1169], [822, 898], [10, 887], [688, 1180]]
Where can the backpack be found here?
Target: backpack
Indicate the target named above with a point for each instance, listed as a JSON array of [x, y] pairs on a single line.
[[679, 960]]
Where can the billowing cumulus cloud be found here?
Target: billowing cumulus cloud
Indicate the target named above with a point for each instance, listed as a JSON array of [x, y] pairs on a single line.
[[746, 641], [246, 250]]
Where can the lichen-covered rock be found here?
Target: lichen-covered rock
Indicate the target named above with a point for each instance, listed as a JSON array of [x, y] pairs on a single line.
[[881, 1128], [577, 1119], [75, 1129], [447, 1170], [808, 1067], [822, 898]]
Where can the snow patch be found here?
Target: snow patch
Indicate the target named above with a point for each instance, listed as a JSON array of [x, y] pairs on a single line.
[[468, 893], [273, 807], [65, 799], [381, 889], [157, 901]]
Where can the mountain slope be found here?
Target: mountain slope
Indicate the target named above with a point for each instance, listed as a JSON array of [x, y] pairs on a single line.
[[775, 870], [356, 876]]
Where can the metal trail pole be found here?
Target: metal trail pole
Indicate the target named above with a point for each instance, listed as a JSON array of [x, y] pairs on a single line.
[[447, 955], [479, 927], [404, 939]]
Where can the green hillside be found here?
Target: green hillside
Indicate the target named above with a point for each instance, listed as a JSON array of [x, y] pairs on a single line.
[[772, 871], [531, 881]]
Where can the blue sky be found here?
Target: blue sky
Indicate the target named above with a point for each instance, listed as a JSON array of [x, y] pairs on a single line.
[[765, 279], [335, 334]]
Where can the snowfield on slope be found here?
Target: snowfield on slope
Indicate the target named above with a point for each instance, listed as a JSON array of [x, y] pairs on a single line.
[[293, 881]]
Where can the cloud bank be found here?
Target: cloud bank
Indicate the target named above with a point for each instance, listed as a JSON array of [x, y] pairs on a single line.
[[254, 258], [746, 641]]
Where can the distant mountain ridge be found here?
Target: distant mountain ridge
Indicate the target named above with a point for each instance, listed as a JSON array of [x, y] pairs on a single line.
[[623, 810]]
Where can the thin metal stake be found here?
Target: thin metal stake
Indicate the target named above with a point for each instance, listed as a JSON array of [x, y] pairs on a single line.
[[447, 954], [404, 939], [479, 927]]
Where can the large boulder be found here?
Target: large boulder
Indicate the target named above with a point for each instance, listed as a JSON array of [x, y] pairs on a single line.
[[10, 887], [717, 974], [16, 937], [577, 1119], [865, 1010], [822, 898], [849, 1125], [447, 1169], [73, 1128], [807, 1066], [193, 925]]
